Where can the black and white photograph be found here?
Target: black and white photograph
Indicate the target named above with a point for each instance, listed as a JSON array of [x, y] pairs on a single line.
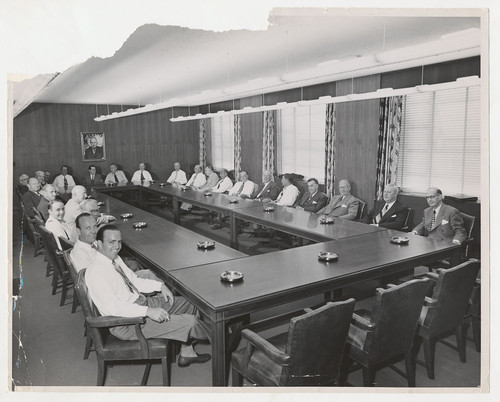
[[282, 194]]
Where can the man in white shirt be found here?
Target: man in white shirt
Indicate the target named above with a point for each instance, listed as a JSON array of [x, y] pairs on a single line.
[[224, 183], [196, 181], [40, 175], [289, 194], [64, 183], [178, 176], [91, 207], [72, 208], [115, 176], [117, 291], [141, 176], [243, 188], [55, 224]]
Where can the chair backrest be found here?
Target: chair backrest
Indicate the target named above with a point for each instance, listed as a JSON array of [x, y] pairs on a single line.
[[395, 315], [39, 221], [52, 249], [361, 209], [469, 222], [69, 264], [452, 292], [408, 225], [37, 213], [316, 344]]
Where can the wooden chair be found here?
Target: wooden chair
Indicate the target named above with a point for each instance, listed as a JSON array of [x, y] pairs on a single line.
[[309, 354], [408, 225], [444, 312], [37, 213], [474, 314], [33, 233], [386, 334], [109, 348], [361, 210]]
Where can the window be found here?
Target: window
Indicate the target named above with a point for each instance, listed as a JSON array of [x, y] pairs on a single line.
[[301, 141], [222, 140], [440, 143]]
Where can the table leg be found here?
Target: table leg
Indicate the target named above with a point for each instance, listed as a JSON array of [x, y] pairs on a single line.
[[234, 224], [175, 204], [218, 340]]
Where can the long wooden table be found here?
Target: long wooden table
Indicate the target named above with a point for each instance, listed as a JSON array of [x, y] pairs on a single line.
[[281, 277]]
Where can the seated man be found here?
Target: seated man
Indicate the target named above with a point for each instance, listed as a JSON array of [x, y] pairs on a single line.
[[142, 175], [344, 205], [243, 188], [289, 194], [92, 177], [224, 183], [42, 179], [72, 208], [196, 181], [441, 221], [268, 190], [64, 183], [22, 187], [178, 176], [313, 200], [388, 213], [115, 176], [47, 176], [49, 194], [212, 180], [91, 207], [55, 224], [117, 291], [32, 197]]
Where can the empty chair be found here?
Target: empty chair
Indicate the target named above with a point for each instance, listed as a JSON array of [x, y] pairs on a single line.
[[444, 312], [386, 334], [361, 210], [109, 348], [309, 354]]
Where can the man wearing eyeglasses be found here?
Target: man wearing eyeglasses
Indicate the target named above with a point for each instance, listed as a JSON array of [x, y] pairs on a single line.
[[441, 221]]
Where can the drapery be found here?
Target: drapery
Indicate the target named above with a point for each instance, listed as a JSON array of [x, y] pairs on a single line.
[[237, 146], [268, 142], [203, 143], [389, 134], [330, 135]]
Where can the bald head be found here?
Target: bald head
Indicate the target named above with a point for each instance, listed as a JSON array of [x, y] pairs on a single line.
[[78, 193], [90, 206]]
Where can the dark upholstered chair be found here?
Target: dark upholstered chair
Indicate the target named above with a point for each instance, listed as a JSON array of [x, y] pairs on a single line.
[[361, 209], [474, 312], [444, 312], [408, 225], [109, 348], [36, 213], [386, 334], [56, 260], [309, 354]]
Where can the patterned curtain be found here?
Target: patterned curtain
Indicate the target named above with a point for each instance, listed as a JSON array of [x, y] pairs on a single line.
[[268, 142], [330, 135], [237, 146], [203, 143], [389, 134]]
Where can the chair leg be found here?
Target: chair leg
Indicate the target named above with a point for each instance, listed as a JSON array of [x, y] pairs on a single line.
[[88, 347], [75, 301], [145, 376], [101, 372], [410, 367], [368, 376], [47, 270], [460, 342], [476, 332], [165, 371], [237, 378], [55, 280], [345, 368], [429, 352]]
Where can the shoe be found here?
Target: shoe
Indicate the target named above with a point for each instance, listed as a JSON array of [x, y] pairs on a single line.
[[186, 361]]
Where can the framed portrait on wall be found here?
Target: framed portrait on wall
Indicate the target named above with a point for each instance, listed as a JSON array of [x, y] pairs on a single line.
[[93, 146]]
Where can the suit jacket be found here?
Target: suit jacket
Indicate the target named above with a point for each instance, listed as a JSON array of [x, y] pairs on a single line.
[[346, 208], [315, 203], [99, 154], [30, 200], [272, 191], [394, 218], [97, 180], [449, 224]]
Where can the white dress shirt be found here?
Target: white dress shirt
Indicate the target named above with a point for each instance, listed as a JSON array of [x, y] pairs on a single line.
[[248, 188], [109, 291], [59, 184], [82, 254], [177, 176], [212, 180], [136, 178], [197, 180], [71, 211], [110, 177], [60, 229], [223, 185], [288, 196]]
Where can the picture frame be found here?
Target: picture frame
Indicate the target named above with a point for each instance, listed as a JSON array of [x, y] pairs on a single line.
[[93, 146]]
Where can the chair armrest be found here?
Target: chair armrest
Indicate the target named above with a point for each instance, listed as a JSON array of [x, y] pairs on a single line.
[[268, 348], [432, 276], [308, 310], [112, 321], [362, 323], [429, 302]]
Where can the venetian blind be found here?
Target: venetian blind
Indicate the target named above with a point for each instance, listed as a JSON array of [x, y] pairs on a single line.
[[222, 140]]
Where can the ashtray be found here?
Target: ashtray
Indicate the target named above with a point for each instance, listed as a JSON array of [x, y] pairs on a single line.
[[327, 256], [163, 184], [126, 216], [234, 200], [205, 245], [140, 225], [326, 221], [101, 203], [208, 193], [400, 240], [268, 209], [231, 276]]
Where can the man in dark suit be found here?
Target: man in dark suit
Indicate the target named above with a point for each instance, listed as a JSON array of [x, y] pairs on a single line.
[[313, 200], [344, 205], [388, 213], [441, 221], [94, 151], [268, 190], [92, 177], [32, 197]]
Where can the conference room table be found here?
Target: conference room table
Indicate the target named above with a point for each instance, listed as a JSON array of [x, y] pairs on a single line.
[[285, 276]]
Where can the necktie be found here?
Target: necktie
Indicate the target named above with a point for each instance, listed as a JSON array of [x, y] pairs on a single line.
[[378, 218], [66, 233], [240, 189], [116, 177], [433, 221], [176, 173], [219, 183], [142, 178], [65, 184], [279, 196], [92, 179], [262, 191], [129, 284], [194, 179]]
